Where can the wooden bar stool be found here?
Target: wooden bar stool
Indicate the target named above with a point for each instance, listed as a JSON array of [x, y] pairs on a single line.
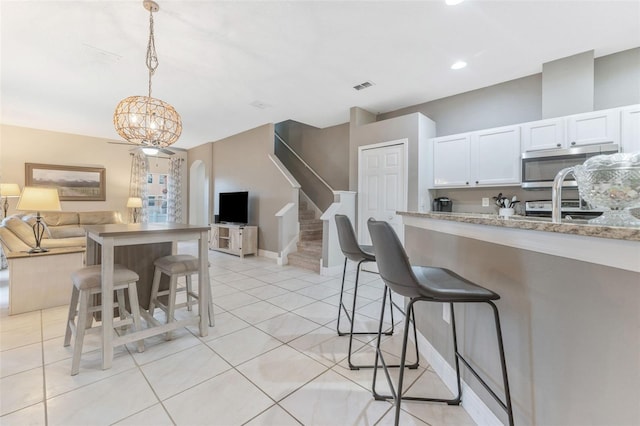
[[174, 266], [428, 284], [87, 282]]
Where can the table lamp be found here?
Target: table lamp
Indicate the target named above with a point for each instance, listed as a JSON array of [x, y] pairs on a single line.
[[39, 199], [8, 190], [134, 203]]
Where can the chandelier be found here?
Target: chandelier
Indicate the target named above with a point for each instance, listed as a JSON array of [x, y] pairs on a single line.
[[143, 120]]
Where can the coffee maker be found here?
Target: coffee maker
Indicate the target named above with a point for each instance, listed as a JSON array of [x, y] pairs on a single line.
[[442, 204]]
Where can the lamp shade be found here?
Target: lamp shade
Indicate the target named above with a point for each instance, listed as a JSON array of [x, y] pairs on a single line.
[[40, 199], [134, 202], [9, 190]]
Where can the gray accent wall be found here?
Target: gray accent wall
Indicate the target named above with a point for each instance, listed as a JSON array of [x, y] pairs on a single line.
[[241, 163], [616, 83], [515, 101], [617, 79], [325, 150], [570, 330], [567, 85]]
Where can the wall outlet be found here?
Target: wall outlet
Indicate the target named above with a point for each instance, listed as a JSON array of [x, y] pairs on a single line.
[[446, 313], [485, 201]]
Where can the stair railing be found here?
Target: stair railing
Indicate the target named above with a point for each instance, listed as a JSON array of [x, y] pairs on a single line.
[[322, 194], [288, 231], [287, 216]]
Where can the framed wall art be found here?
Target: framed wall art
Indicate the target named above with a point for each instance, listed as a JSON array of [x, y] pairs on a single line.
[[73, 183]]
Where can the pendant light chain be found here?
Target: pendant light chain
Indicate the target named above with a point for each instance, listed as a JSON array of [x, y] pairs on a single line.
[[152, 55]]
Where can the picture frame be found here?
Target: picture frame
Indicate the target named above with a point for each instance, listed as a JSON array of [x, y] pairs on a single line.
[[74, 183]]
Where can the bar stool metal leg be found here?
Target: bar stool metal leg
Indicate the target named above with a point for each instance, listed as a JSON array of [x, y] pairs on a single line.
[[396, 393], [410, 319], [351, 317]]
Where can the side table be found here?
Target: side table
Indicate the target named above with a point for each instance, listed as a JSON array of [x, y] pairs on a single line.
[[42, 280]]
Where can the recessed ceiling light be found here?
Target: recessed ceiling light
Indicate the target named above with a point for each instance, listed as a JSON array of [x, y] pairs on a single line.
[[458, 65], [453, 2]]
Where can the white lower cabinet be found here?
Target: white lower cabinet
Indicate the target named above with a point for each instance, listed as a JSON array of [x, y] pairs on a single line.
[[484, 158]]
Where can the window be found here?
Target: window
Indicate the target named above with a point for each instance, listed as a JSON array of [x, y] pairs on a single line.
[[157, 197]]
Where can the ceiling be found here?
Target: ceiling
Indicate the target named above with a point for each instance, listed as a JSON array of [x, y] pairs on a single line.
[[229, 66]]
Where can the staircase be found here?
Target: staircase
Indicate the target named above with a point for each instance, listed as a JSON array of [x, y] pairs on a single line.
[[310, 241]]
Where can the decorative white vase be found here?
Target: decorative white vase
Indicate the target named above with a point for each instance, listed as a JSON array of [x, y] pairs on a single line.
[[506, 213]]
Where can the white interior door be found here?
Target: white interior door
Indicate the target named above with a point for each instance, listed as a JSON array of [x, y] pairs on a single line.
[[382, 186]]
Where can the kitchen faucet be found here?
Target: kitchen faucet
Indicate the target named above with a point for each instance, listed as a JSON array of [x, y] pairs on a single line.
[[556, 195]]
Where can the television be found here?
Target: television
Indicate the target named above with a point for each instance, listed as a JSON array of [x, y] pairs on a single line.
[[233, 207]]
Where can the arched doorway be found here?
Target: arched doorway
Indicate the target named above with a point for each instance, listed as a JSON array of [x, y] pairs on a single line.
[[198, 194]]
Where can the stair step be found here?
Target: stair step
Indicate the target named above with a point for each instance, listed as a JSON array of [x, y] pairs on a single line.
[[311, 235], [306, 215], [312, 248], [310, 244], [302, 260], [310, 225]]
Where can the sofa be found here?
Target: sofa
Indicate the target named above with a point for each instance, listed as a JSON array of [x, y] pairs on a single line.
[[62, 229]]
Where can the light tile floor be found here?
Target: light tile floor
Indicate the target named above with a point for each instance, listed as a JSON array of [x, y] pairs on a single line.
[[273, 358]]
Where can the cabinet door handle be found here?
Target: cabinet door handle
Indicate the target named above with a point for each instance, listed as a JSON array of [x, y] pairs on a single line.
[[559, 145], [477, 182], [466, 183], [573, 143]]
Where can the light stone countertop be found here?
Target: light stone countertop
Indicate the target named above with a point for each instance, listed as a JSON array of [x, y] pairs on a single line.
[[534, 224]]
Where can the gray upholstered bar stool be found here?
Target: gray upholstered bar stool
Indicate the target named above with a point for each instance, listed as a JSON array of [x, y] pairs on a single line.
[[87, 282], [422, 283], [361, 254], [174, 266]]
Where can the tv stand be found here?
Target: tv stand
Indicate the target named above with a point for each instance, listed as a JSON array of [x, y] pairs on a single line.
[[234, 239]]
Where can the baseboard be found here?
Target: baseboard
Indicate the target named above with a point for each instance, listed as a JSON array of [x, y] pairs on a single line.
[[268, 254], [473, 405]]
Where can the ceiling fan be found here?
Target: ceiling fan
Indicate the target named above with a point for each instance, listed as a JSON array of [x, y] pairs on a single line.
[[146, 149]]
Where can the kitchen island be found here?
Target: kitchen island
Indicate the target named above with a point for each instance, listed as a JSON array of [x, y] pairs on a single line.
[[570, 306]]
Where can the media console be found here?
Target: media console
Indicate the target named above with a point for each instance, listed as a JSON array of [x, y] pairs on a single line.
[[234, 239]]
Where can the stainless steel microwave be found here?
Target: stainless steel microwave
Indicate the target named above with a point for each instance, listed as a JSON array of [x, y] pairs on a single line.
[[539, 168]]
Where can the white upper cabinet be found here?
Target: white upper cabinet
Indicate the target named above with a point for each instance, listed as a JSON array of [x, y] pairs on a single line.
[[451, 156], [593, 128], [590, 128], [488, 157], [495, 156], [543, 134], [630, 129]]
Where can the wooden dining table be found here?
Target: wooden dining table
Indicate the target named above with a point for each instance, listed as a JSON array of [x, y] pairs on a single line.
[[137, 246]]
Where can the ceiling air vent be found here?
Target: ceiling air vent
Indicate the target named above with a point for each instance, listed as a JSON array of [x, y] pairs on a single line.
[[260, 105], [363, 85]]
